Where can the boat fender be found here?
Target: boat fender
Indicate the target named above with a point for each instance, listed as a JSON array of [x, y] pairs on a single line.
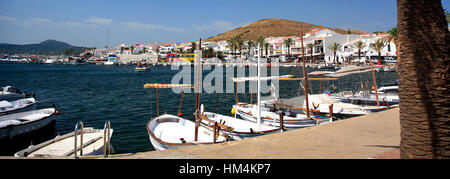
[[180, 114], [233, 111]]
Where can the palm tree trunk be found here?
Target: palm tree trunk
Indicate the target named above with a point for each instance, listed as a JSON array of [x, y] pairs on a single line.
[[423, 79]]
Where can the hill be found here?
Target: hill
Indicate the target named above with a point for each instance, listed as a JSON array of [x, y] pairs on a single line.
[[46, 47], [275, 28]]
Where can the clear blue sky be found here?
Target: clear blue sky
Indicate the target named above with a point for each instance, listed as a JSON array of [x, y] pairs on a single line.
[[85, 22]]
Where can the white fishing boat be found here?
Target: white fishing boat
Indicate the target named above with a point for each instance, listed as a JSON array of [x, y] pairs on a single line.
[[16, 106], [170, 132], [271, 116], [242, 128], [10, 93], [368, 99], [141, 69], [89, 141], [16, 124], [112, 60]]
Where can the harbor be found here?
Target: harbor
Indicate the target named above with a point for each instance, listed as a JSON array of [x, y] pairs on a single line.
[[127, 105], [217, 89]]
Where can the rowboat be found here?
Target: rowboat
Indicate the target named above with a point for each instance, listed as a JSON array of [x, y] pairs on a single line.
[[16, 124], [89, 142], [16, 106]]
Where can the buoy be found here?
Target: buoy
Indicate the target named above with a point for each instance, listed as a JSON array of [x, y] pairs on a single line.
[[56, 112], [180, 114], [233, 111]]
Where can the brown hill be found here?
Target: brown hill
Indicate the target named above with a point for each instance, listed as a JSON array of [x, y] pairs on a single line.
[[273, 27]]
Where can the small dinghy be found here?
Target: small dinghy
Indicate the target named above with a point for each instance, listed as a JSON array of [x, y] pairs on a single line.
[[16, 124], [88, 141], [16, 106]]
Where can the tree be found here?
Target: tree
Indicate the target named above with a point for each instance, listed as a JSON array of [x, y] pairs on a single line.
[[250, 45], [378, 46], [423, 79], [193, 47], [393, 36], [359, 45], [266, 47], [260, 41], [232, 43], [334, 47], [288, 42]]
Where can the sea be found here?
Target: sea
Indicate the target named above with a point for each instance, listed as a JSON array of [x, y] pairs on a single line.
[[95, 94]]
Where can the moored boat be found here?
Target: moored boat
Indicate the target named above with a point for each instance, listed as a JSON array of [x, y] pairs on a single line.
[[17, 124], [241, 128], [16, 106]]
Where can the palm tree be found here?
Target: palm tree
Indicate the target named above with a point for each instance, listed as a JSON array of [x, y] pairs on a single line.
[[250, 45], [266, 48], [310, 47], [193, 46], [393, 36], [359, 45], [423, 79], [239, 45], [334, 47], [260, 41], [378, 46], [288, 42]]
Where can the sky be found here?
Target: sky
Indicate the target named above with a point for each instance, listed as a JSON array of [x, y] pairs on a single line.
[[86, 22]]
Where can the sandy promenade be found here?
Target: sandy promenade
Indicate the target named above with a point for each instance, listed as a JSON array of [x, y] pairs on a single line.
[[370, 136]]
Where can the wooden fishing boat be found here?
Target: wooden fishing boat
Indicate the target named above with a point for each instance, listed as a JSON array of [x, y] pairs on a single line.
[[16, 106], [271, 116], [89, 141], [242, 128], [171, 132], [16, 124]]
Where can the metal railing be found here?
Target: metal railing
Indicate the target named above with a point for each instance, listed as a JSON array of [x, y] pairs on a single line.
[[79, 126], [106, 139]]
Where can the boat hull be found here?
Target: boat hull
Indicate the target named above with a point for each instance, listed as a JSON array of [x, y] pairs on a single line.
[[292, 124], [242, 128], [171, 132], [17, 129]]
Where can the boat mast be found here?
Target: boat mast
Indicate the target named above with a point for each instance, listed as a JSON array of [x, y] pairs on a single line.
[[259, 87], [197, 97], [374, 82], [199, 63], [304, 73]]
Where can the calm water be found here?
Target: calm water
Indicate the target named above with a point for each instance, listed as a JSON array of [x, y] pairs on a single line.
[[94, 94]]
